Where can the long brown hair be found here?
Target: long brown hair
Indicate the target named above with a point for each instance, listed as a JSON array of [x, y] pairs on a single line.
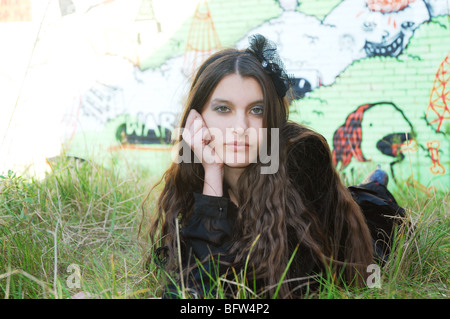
[[304, 203]]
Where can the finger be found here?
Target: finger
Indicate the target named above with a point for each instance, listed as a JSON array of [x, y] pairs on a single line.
[[206, 134], [198, 132], [198, 125], [187, 137], [203, 120], [190, 119], [188, 130]]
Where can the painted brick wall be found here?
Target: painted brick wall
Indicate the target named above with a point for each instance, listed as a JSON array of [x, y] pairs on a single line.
[[391, 56], [371, 71]]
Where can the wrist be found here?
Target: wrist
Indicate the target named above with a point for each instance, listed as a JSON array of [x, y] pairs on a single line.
[[213, 170], [213, 184]]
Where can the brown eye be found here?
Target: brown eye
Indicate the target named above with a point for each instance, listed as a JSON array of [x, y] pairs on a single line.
[[222, 109], [257, 110]]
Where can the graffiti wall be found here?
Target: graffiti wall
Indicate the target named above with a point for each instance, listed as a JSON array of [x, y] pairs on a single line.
[[106, 80]]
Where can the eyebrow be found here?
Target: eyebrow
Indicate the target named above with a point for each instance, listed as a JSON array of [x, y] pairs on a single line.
[[219, 100]]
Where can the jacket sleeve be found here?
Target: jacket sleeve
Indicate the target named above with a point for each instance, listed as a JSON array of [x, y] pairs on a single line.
[[209, 229], [206, 238], [382, 214]]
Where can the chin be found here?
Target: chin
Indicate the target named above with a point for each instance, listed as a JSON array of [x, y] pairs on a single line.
[[237, 165], [239, 160]]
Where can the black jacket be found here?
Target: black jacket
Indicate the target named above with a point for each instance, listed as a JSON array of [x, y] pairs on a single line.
[[207, 235], [206, 240]]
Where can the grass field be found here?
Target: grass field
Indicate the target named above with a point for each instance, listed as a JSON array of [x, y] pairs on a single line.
[[77, 231]]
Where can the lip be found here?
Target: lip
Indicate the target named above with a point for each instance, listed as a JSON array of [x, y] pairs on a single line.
[[237, 146]]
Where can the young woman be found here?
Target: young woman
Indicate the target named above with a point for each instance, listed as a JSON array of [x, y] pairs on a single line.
[[251, 192]]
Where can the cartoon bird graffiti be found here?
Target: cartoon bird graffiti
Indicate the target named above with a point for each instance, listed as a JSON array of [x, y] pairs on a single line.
[[386, 130]]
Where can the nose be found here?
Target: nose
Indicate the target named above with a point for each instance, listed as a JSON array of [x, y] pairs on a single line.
[[240, 124]]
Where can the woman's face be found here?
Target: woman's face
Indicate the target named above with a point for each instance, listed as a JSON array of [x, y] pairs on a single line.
[[234, 117]]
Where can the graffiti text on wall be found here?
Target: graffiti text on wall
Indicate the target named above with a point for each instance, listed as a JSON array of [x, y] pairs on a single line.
[[145, 131]]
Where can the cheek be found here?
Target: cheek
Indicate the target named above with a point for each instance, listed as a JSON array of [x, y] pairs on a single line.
[[257, 126], [212, 119], [216, 129], [261, 140]]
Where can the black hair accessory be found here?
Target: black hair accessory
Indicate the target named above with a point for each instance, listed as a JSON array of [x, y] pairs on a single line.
[[266, 52]]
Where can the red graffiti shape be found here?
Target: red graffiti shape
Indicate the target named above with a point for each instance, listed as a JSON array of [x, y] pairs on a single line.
[[347, 138], [438, 112]]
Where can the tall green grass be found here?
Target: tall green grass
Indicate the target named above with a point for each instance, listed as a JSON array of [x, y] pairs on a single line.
[[87, 218], [79, 214]]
